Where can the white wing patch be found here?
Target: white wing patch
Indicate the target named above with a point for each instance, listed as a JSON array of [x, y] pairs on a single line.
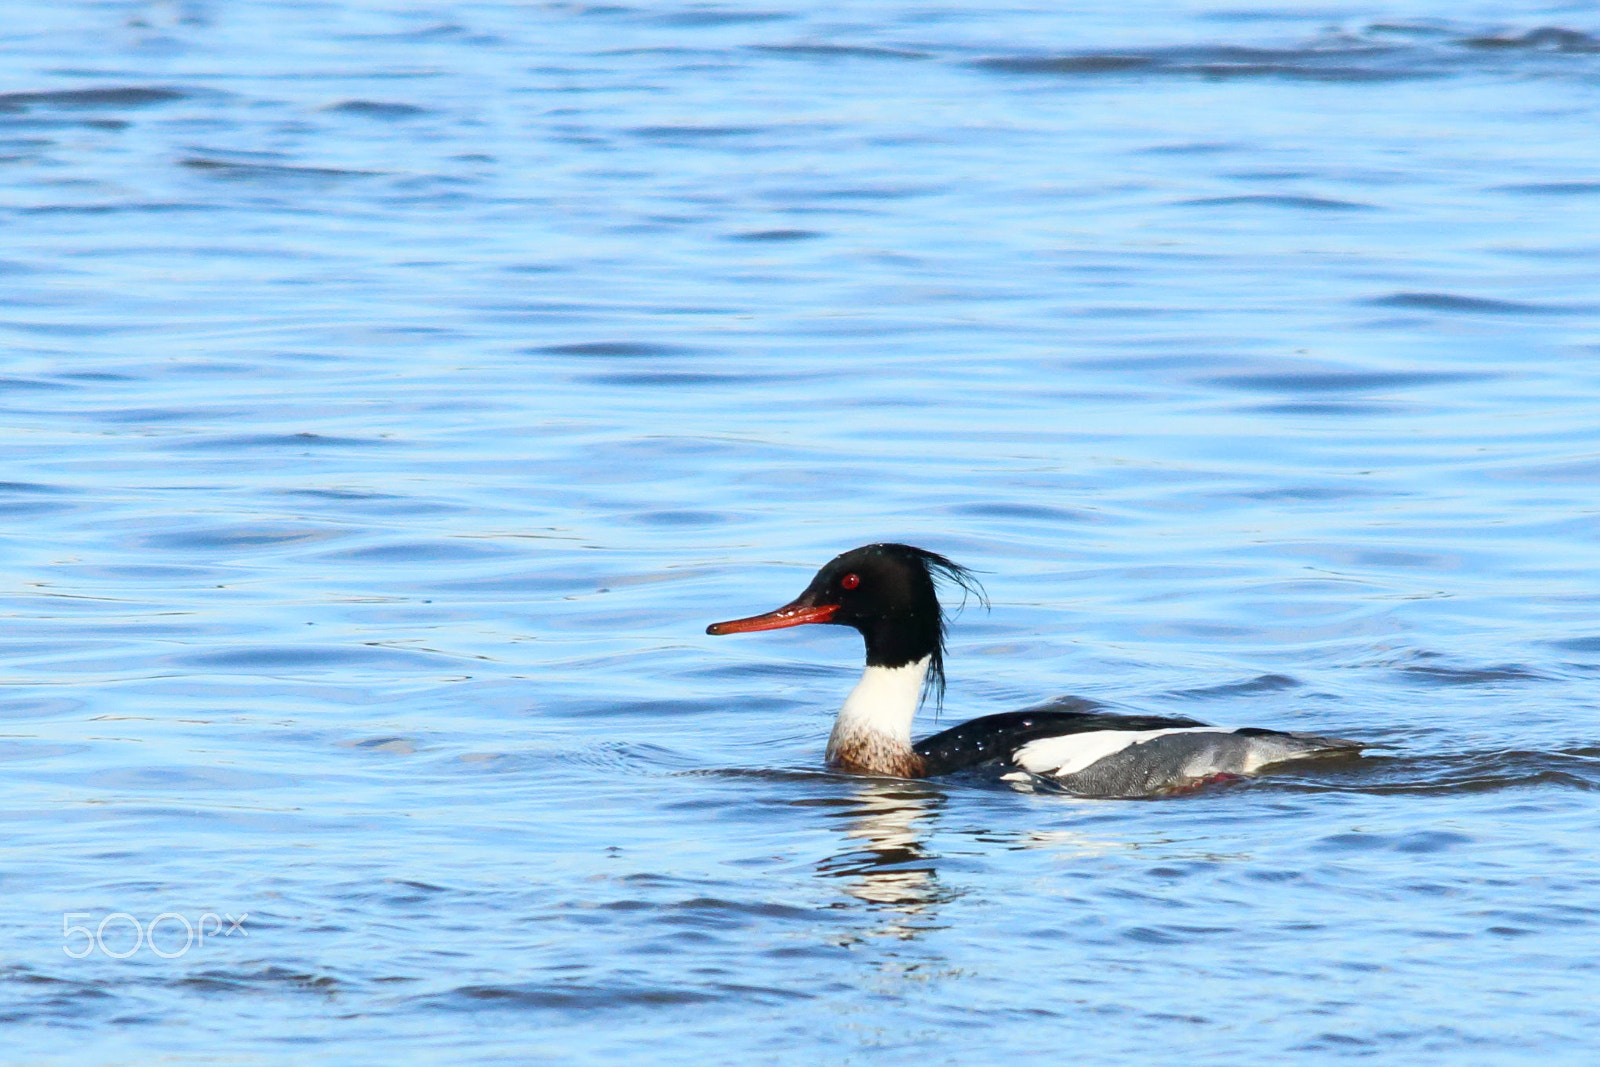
[[1053, 757]]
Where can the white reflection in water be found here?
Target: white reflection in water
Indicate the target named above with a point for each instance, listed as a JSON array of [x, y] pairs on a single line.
[[886, 862]]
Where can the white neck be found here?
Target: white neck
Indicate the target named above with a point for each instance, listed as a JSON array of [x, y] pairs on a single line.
[[880, 708]]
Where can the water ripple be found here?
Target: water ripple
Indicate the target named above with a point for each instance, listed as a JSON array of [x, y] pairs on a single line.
[[392, 396]]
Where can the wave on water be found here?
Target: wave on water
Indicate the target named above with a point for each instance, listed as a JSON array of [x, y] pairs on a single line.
[[1380, 52], [110, 97], [1383, 774]]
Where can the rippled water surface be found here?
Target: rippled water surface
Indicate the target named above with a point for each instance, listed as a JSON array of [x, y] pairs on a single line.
[[392, 395]]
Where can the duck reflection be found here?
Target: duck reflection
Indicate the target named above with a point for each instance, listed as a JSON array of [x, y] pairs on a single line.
[[886, 863]]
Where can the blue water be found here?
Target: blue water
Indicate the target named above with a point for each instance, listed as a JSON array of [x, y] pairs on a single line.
[[393, 394]]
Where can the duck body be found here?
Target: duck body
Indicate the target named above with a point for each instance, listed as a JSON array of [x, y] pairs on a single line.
[[1103, 754], [887, 592]]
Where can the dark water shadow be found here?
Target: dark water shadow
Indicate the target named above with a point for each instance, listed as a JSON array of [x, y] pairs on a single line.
[[1307, 203], [836, 51], [124, 96], [1468, 772], [376, 109], [1455, 302], [1353, 62], [269, 172], [1264, 683], [1383, 53], [1543, 39]]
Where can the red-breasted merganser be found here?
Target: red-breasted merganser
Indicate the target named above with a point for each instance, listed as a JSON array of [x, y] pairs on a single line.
[[887, 592]]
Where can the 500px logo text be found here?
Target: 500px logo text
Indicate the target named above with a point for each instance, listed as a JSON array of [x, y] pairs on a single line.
[[177, 934]]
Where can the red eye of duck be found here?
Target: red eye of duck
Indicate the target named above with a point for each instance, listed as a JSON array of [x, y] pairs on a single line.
[[850, 581]]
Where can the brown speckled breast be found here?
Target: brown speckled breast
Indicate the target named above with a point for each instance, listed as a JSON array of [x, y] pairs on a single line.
[[871, 754]]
